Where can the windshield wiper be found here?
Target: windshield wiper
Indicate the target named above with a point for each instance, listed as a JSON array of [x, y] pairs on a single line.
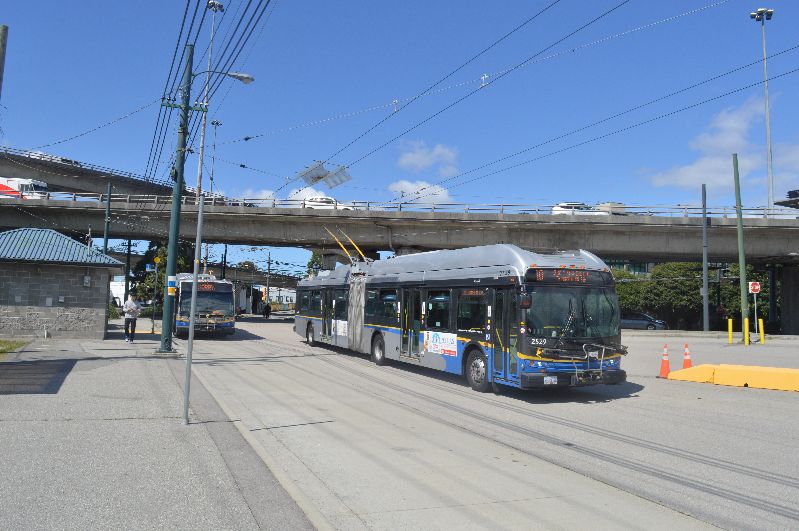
[[566, 326]]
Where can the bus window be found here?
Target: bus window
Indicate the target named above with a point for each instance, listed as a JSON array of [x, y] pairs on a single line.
[[371, 302], [305, 301], [472, 310], [438, 310], [341, 297], [388, 304], [316, 303]]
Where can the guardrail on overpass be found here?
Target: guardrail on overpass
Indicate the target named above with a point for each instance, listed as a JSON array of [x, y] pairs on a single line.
[[404, 206], [673, 235]]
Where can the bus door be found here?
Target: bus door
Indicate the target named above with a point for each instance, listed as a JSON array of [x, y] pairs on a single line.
[[327, 312], [506, 334], [411, 322]]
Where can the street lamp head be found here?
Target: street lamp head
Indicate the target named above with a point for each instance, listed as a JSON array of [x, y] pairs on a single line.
[[238, 76], [213, 5], [762, 13]]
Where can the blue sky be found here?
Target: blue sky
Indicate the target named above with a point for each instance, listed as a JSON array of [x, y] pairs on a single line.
[[72, 66]]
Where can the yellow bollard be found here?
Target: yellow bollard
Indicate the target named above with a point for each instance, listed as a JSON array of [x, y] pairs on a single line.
[[762, 333], [729, 331], [746, 331]]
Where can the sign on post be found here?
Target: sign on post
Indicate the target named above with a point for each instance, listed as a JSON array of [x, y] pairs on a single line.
[[754, 287], [149, 268]]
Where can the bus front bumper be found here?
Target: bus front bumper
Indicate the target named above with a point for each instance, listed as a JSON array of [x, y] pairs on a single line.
[[537, 380]]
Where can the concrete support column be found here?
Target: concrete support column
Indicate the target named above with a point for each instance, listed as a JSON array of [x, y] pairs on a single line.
[[789, 303], [329, 261]]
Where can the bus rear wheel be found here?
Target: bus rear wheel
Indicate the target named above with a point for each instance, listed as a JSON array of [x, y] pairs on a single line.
[[379, 351], [477, 371], [309, 335]]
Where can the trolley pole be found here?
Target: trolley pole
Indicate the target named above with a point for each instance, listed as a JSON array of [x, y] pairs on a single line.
[[174, 220], [3, 42]]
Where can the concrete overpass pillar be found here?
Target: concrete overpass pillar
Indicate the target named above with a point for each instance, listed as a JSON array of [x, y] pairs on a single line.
[[329, 261], [789, 304]]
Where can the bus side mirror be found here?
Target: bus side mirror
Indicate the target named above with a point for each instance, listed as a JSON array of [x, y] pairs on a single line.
[[526, 302]]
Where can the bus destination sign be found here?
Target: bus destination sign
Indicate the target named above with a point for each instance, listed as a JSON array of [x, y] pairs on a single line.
[[567, 276]]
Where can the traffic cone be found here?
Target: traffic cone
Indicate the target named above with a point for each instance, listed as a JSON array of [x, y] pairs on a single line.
[[664, 363], [686, 359]]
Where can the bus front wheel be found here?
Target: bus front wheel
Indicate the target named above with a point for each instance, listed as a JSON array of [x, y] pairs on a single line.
[[477, 371], [309, 335], [379, 351]]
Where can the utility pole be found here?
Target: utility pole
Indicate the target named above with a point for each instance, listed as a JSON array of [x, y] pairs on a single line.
[[107, 218], [3, 42], [174, 220], [705, 295], [268, 274], [741, 256], [224, 263]]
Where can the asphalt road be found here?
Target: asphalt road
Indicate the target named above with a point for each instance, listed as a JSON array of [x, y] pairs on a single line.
[[362, 446]]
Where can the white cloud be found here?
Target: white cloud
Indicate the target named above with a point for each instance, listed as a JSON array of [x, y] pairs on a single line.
[[727, 133], [305, 193], [249, 193], [417, 156], [420, 192]]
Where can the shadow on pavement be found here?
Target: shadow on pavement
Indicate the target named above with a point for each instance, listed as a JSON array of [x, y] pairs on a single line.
[[40, 377], [588, 394]]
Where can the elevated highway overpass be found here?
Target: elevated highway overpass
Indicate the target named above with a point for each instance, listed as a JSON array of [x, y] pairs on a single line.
[[628, 237], [66, 175]]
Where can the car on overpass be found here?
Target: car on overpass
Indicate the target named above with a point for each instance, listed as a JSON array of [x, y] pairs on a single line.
[[324, 203], [578, 209]]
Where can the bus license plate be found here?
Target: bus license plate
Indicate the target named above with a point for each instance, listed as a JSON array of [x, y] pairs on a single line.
[[550, 380]]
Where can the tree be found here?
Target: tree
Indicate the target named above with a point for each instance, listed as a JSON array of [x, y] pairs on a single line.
[[247, 265], [145, 284], [672, 292], [315, 263]]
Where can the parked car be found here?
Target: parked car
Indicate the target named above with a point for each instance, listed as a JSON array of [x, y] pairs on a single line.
[[641, 321], [324, 203], [577, 209]]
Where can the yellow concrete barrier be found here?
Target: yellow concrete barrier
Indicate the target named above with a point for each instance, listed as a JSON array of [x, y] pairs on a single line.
[[777, 378], [699, 373]]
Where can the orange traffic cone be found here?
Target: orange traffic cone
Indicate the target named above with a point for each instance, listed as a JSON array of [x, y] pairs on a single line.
[[686, 359], [664, 363]]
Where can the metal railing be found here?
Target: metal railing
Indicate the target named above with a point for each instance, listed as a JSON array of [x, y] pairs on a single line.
[[688, 211]]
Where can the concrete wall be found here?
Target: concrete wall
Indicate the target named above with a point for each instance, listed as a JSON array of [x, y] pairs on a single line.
[[30, 301]]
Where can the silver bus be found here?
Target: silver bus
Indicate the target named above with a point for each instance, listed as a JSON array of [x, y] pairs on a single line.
[[497, 315]]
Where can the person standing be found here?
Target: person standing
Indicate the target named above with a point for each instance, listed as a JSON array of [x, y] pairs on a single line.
[[132, 309]]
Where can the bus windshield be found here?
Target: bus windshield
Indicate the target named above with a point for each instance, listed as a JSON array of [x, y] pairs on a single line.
[[209, 303], [572, 312]]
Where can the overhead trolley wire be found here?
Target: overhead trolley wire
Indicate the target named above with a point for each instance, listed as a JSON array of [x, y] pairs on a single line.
[[166, 89], [608, 118], [481, 87], [566, 51], [622, 129]]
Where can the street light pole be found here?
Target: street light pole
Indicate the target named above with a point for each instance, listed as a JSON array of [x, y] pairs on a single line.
[[762, 15], [174, 220]]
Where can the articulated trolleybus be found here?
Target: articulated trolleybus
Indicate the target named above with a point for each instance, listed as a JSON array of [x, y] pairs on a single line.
[[496, 314], [214, 305]]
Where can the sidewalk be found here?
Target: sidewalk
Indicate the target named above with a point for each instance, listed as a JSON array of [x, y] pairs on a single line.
[[91, 438]]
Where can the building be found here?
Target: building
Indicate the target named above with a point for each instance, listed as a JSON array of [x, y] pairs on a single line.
[[52, 286]]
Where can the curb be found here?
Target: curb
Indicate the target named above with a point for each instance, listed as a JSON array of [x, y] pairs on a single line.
[[315, 516]]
